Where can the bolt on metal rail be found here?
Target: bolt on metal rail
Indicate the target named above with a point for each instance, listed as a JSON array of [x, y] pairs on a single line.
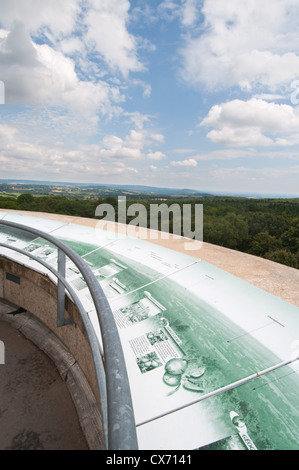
[[112, 379]]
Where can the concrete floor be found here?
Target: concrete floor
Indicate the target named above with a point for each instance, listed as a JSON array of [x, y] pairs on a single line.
[[36, 409]]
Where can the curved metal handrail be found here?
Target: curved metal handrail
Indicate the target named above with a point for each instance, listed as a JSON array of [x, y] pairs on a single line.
[[116, 402]]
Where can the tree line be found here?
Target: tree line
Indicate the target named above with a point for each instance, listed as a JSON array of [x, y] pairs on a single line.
[[268, 228]]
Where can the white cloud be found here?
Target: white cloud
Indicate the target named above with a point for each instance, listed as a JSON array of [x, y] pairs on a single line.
[[243, 43], [7, 133], [156, 156], [38, 74], [132, 147], [189, 12], [106, 22], [186, 11], [80, 26], [169, 9], [58, 17], [48, 143], [32, 158], [191, 162], [47, 62], [137, 118], [71, 46], [268, 97], [146, 87], [158, 137], [252, 123], [239, 137]]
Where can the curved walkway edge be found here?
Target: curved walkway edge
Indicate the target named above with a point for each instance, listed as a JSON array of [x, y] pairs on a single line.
[[80, 419], [277, 279]]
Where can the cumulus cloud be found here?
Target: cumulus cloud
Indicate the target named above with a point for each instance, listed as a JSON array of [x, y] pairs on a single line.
[[132, 147], [47, 62], [191, 162], [248, 44], [41, 15], [156, 156], [106, 22], [38, 74], [32, 157], [129, 148], [253, 122], [74, 26]]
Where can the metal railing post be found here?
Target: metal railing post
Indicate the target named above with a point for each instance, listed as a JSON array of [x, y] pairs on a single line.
[[61, 320], [60, 289]]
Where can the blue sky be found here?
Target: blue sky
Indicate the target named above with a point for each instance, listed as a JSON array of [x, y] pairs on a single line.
[[199, 94]]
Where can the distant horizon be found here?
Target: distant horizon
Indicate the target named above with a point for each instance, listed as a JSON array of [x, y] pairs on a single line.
[[179, 93], [142, 188]]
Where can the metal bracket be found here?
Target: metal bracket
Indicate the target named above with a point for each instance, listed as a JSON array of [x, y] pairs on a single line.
[[61, 320]]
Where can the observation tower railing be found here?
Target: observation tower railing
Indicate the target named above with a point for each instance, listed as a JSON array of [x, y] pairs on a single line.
[[111, 373]]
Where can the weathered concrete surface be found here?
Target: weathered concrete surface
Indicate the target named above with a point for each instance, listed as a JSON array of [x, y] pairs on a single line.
[[36, 410], [45, 400]]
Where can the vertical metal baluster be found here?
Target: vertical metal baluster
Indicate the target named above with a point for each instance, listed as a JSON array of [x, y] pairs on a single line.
[[61, 290]]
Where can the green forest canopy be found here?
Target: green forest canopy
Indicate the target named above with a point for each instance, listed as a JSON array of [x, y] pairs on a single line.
[[267, 228]]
